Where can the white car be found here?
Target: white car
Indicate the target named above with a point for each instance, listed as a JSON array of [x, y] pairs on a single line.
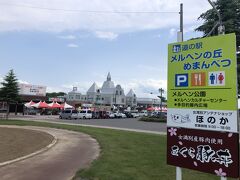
[[69, 114], [111, 115], [119, 115], [135, 115], [143, 114], [123, 115], [85, 114]]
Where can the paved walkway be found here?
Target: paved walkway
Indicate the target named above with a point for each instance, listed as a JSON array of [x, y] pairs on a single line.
[[73, 151]]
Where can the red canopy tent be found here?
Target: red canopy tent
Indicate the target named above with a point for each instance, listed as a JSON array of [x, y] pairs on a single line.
[[150, 109], [164, 109], [29, 104], [41, 105], [66, 106], [54, 105]]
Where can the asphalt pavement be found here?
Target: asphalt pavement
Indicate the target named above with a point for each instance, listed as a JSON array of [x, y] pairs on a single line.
[[121, 123]]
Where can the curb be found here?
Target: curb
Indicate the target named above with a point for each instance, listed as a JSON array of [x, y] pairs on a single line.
[[32, 154]]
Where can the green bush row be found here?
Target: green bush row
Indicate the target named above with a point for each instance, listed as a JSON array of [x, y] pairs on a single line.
[[153, 119]]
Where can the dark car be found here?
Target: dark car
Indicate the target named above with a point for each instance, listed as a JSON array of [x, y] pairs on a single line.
[[95, 115], [128, 114], [159, 114], [99, 115]]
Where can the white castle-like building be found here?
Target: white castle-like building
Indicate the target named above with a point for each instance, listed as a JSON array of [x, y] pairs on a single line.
[[108, 95]]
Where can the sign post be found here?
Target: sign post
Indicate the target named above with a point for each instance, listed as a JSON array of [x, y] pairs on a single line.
[[202, 125]]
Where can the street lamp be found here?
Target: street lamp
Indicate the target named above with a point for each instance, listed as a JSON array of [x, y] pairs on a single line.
[[161, 91]]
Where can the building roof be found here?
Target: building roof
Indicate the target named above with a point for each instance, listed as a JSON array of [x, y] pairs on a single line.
[[93, 88], [74, 91], [109, 77], [130, 93], [108, 84]]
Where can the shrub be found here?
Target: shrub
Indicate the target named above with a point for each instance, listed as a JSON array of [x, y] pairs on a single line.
[[153, 119]]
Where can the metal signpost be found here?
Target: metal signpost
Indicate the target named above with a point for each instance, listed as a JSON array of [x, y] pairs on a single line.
[[202, 125]]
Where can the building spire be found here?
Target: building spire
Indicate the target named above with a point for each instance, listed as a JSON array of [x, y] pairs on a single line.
[[109, 77]]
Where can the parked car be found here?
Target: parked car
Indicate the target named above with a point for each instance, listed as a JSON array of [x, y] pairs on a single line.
[[103, 115], [120, 115], [110, 115], [159, 114], [135, 115], [143, 114], [128, 115], [95, 115], [117, 115], [100, 115], [123, 115], [85, 114], [68, 114], [31, 112]]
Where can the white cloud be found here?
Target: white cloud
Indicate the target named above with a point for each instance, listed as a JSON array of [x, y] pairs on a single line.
[[22, 81], [144, 88], [19, 18], [106, 35], [172, 32], [148, 68], [68, 37], [72, 45], [56, 89]]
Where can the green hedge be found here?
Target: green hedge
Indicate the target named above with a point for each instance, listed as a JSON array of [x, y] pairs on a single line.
[[153, 119]]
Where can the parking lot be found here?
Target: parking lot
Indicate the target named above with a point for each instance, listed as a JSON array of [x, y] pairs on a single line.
[[127, 123]]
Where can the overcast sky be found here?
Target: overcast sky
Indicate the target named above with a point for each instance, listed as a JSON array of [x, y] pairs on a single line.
[[66, 43]]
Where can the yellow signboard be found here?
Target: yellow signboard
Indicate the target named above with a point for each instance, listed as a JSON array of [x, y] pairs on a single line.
[[202, 81]]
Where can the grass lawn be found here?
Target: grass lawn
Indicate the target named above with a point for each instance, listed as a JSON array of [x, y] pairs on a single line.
[[125, 155]]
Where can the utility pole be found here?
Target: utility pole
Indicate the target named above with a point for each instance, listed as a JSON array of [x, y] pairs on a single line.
[[221, 27], [180, 39], [180, 33]]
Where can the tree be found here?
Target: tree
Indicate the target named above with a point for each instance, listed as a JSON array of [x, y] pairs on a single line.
[[55, 94], [230, 13], [10, 90]]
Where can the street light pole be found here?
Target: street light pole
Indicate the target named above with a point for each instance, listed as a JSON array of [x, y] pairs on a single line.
[[161, 91]]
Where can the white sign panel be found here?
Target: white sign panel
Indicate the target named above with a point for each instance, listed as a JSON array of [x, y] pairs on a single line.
[[33, 90], [214, 120]]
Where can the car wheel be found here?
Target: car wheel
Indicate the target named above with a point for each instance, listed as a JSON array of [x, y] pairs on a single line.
[[84, 117], [60, 117]]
